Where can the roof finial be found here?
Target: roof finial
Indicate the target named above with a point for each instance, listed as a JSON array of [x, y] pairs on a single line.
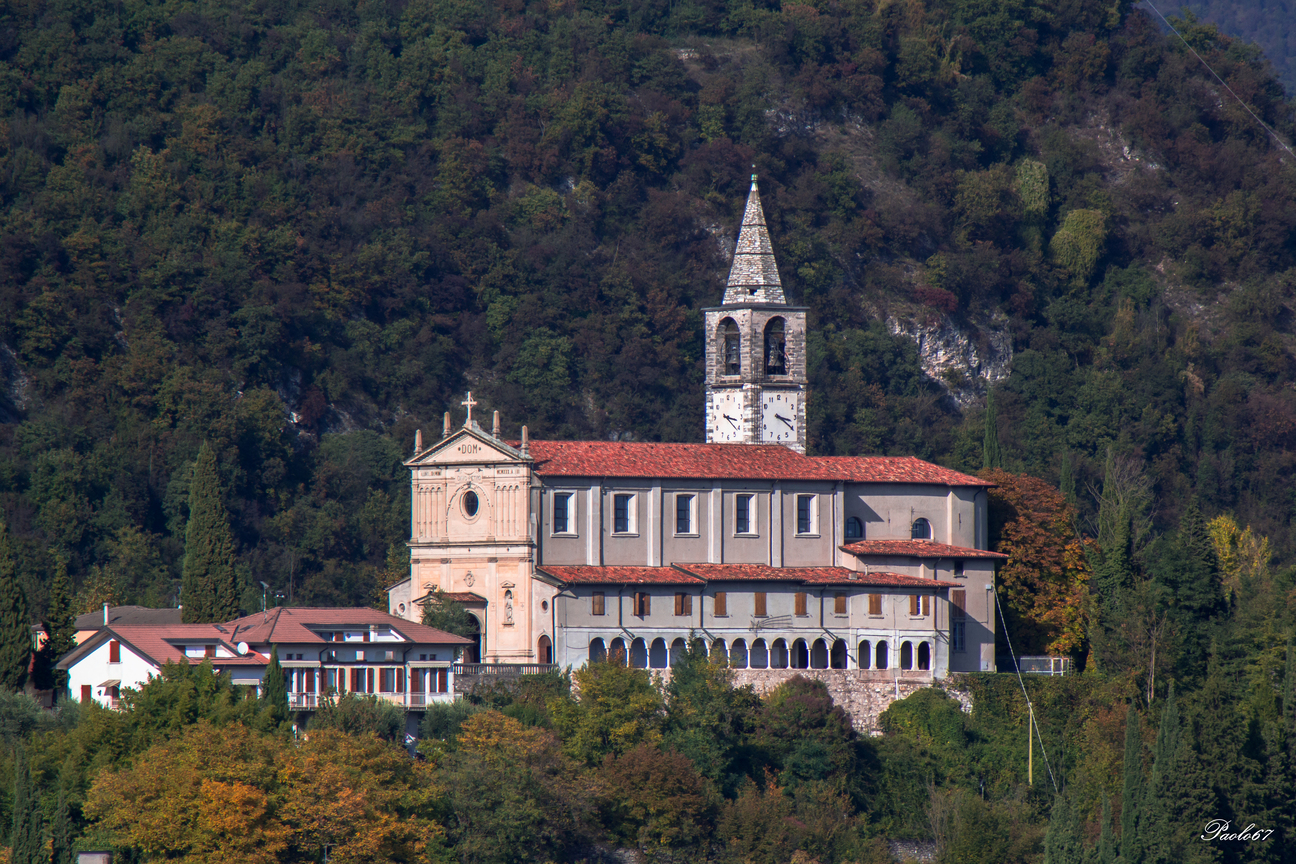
[[495, 425], [445, 426], [470, 402], [418, 441], [753, 175]]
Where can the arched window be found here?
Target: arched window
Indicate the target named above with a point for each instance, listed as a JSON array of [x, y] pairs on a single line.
[[779, 655], [617, 652], [865, 654], [854, 528], [775, 348], [597, 651], [819, 654], [881, 659], [658, 655], [759, 655], [544, 650], [730, 348], [738, 654], [678, 652], [639, 654], [924, 656], [719, 653], [800, 655], [838, 655], [906, 655], [921, 530]]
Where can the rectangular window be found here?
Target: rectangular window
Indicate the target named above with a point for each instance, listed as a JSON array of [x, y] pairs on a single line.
[[443, 680], [209, 650], [597, 604], [742, 514], [683, 514], [958, 568], [760, 604], [562, 515], [339, 637], [958, 604], [114, 651], [621, 513], [875, 604], [958, 636], [839, 604], [801, 603], [919, 604], [642, 604], [805, 514], [683, 604], [721, 603]]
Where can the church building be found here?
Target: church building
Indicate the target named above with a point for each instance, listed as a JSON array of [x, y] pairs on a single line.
[[568, 551]]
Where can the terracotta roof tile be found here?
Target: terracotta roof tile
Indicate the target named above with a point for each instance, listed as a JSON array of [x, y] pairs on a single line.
[[592, 575], [917, 549], [730, 461], [895, 469], [127, 616], [283, 625]]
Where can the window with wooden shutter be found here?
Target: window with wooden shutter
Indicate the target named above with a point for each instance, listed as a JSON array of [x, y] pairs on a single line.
[[760, 603], [209, 650], [721, 603], [114, 651], [679, 604], [642, 603], [926, 604], [800, 603], [839, 604], [597, 604], [87, 693], [958, 602], [875, 604], [913, 604], [686, 603]]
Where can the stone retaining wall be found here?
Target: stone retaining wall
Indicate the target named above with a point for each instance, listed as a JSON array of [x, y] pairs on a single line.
[[863, 693]]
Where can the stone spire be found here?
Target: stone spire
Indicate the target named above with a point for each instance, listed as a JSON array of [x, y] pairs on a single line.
[[754, 277]]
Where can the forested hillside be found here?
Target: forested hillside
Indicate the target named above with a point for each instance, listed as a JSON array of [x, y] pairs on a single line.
[[1270, 24]]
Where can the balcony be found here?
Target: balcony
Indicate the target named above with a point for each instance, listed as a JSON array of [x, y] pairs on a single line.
[[409, 701]]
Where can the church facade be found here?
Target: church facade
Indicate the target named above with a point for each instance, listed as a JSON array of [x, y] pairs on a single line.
[[570, 551]]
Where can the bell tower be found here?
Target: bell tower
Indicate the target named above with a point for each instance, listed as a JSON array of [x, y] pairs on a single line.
[[755, 349]]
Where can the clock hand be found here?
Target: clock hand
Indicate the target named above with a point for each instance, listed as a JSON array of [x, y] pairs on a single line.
[[730, 419], [784, 419]]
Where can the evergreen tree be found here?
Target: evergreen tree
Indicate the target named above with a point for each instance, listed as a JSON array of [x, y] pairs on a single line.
[[274, 690], [1156, 813], [27, 838], [60, 623], [61, 832], [1131, 789], [1062, 844], [210, 586], [15, 625], [991, 456], [1106, 851]]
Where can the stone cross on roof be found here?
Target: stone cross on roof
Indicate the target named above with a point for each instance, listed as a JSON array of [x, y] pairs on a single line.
[[470, 402], [754, 277]]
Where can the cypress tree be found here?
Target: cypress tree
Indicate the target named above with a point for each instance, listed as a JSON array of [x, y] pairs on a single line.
[[1155, 814], [27, 837], [61, 832], [991, 457], [274, 690], [1062, 843], [1131, 790], [1106, 842], [60, 623], [209, 586], [15, 625]]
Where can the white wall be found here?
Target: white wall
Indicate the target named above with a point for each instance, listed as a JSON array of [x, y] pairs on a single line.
[[94, 669]]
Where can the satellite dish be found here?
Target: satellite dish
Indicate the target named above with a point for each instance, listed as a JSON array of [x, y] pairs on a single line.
[[243, 648]]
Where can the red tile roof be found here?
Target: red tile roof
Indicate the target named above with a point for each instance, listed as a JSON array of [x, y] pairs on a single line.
[[699, 574], [283, 625], [895, 469], [917, 549], [456, 597], [591, 575], [157, 642], [730, 461]]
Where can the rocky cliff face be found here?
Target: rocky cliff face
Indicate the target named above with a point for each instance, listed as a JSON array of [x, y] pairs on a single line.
[[965, 361]]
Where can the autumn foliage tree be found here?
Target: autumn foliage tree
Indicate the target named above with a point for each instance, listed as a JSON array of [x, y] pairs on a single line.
[[1045, 582]]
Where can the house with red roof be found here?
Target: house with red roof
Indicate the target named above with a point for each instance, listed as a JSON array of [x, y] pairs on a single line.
[[568, 551], [322, 652]]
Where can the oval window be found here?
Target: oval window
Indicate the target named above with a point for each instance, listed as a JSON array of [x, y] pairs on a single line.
[[470, 503]]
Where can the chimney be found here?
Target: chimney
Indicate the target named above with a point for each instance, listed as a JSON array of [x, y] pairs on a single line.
[[495, 425], [445, 429], [526, 448], [105, 614], [418, 441]]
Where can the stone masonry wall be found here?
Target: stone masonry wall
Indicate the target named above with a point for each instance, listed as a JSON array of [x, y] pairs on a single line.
[[863, 693]]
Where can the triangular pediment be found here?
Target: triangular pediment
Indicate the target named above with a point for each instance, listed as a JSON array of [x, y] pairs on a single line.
[[467, 445]]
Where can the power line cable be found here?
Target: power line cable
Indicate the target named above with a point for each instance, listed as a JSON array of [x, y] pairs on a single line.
[[1025, 695], [1271, 132]]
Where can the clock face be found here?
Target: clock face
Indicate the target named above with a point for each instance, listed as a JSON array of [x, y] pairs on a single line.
[[726, 417], [779, 412]]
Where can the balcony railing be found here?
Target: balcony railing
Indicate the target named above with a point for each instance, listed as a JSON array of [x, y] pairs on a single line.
[[503, 670], [311, 701]]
